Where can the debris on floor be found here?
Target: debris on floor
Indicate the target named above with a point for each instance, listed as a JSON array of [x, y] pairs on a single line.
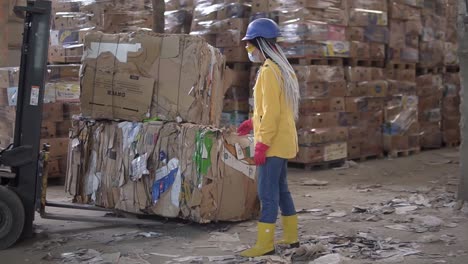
[[51, 243], [78, 256], [362, 245], [331, 259], [223, 237], [149, 234], [405, 209], [308, 252], [338, 214], [314, 182], [347, 165]]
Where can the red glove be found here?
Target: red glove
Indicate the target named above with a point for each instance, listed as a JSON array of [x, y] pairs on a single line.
[[260, 153], [245, 128]]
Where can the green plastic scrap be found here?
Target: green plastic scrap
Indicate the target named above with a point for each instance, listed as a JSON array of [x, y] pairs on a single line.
[[152, 119], [202, 157]]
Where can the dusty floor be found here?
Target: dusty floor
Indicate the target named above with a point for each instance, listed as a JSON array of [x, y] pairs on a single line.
[[431, 175]]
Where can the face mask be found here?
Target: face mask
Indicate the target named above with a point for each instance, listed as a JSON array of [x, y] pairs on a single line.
[[255, 58]]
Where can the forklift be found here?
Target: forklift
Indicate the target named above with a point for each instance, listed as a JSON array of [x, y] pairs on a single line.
[[23, 165]]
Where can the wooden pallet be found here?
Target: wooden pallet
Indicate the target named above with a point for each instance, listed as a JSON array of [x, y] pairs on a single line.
[[452, 144], [325, 165], [401, 65], [429, 70], [354, 62], [452, 68], [433, 147], [403, 153], [317, 61], [369, 157]]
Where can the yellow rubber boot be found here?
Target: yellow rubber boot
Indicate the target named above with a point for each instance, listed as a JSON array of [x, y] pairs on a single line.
[[290, 234], [265, 242]]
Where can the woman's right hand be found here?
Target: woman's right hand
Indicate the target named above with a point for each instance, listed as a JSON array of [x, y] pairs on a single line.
[[245, 128]]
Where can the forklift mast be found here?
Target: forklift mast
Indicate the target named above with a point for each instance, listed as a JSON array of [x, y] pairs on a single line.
[[31, 88], [23, 155]]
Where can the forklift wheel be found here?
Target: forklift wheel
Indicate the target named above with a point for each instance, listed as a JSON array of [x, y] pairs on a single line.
[[11, 217]]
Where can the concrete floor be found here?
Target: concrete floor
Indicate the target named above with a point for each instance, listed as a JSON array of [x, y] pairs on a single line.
[[432, 174]]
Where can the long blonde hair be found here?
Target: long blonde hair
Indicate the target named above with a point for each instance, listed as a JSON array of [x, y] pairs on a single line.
[[289, 79]]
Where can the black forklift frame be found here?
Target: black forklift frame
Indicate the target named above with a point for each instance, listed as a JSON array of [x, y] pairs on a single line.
[[28, 162], [29, 104]]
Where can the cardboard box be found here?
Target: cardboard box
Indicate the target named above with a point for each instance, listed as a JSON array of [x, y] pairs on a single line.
[[71, 20], [62, 6], [377, 51], [451, 122], [235, 54], [318, 73], [431, 140], [429, 102], [318, 120], [14, 57], [323, 89], [375, 88], [234, 10], [314, 105], [71, 109], [66, 54], [223, 168], [233, 24], [308, 137], [378, 5], [359, 50], [142, 81], [260, 6], [7, 129], [53, 168], [52, 112], [396, 143], [15, 34], [356, 133], [349, 118], [63, 128], [240, 78], [362, 18], [371, 119], [401, 87], [10, 4], [232, 38], [403, 11], [322, 153], [451, 136], [58, 146], [372, 149], [358, 74], [363, 104], [335, 104], [354, 150], [48, 130]]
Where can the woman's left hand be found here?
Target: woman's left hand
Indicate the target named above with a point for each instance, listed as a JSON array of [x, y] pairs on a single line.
[[260, 153]]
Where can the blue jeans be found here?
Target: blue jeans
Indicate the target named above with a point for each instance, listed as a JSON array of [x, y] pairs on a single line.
[[273, 190]]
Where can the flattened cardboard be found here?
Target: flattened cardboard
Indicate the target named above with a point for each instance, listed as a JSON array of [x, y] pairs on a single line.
[[119, 96]]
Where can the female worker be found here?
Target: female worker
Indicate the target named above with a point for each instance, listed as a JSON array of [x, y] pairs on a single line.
[[276, 100]]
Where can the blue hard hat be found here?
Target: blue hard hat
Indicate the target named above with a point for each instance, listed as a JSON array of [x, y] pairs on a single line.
[[262, 27]]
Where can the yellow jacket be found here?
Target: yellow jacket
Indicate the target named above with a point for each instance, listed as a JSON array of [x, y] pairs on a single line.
[[273, 119]]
